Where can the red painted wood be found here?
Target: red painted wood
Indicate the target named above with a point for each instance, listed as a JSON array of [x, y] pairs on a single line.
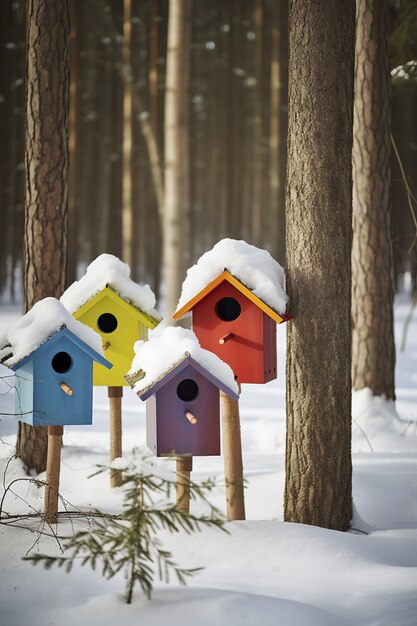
[[251, 352]]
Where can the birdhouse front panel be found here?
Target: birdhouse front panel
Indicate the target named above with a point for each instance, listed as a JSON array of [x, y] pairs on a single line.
[[62, 385], [227, 323], [119, 330], [184, 416]]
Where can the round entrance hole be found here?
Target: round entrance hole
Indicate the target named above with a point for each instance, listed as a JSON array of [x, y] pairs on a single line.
[[187, 390], [228, 309], [107, 322], [61, 362]]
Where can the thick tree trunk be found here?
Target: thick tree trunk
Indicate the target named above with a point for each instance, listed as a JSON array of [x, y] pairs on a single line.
[[318, 456], [177, 121], [373, 353], [47, 99]]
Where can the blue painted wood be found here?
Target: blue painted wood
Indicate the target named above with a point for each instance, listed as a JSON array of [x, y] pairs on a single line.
[[40, 401]]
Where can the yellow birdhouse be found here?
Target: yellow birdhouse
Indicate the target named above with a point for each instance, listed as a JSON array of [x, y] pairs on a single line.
[[121, 312]]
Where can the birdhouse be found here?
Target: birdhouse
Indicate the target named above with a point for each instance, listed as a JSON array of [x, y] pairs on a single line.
[[234, 322], [182, 402], [120, 310], [119, 324], [54, 381]]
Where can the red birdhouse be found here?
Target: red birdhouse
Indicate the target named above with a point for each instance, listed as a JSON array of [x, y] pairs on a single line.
[[231, 321]]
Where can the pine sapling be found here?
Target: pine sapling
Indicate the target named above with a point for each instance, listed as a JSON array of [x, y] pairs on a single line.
[[131, 543]]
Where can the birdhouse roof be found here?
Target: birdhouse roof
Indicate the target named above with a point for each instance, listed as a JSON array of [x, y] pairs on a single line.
[[47, 319], [162, 357], [177, 369], [225, 275], [107, 271], [131, 309], [251, 270]]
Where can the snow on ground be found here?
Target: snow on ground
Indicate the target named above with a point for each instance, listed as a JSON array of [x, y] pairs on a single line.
[[265, 571]]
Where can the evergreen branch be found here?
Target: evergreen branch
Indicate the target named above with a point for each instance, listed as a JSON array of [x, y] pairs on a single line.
[[130, 542]]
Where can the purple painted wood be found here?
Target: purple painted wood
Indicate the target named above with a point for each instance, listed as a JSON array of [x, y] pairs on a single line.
[[166, 416]]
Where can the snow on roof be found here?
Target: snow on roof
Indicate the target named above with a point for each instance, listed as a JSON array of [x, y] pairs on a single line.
[[105, 270], [253, 267], [43, 320], [161, 353]]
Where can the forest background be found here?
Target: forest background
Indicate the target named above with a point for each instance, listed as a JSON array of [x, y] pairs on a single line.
[[234, 81]]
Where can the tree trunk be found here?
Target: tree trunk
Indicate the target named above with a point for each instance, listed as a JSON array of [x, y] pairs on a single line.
[[127, 212], [373, 353], [318, 456], [177, 121], [47, 100], [73, 147], [256, 208], [278, 127]]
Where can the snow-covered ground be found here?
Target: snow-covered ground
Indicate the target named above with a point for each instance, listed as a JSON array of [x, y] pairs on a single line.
[[265, 571]]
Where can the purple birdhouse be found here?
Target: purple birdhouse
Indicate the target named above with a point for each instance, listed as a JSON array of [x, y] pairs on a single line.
[[183, 403]]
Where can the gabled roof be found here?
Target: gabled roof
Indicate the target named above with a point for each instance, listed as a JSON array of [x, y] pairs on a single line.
[[58, 336], [146, 319], [225, 275], [155, 386]]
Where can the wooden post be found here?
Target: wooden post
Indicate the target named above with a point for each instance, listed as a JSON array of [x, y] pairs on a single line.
[[184, 469], [115, 395], [232, 452], [53, 466]]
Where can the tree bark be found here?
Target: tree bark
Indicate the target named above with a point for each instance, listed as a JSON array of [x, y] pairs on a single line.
[[127, 212], [373, 352], [278, 127], [73, 146], [177, 151], [47, 100], [319, 213]]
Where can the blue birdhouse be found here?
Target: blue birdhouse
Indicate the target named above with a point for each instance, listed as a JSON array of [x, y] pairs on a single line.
[[52, 356], [54, 384]]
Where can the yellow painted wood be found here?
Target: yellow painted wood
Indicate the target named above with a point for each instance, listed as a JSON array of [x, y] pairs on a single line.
[[240, 286], [132, 324]]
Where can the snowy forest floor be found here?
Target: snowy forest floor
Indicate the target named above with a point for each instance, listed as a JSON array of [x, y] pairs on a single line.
[[265, 571]]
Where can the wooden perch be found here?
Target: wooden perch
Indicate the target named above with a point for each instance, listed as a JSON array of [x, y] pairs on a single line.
[[66, 389], [190, 417], [106, 345], [225, 338]]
